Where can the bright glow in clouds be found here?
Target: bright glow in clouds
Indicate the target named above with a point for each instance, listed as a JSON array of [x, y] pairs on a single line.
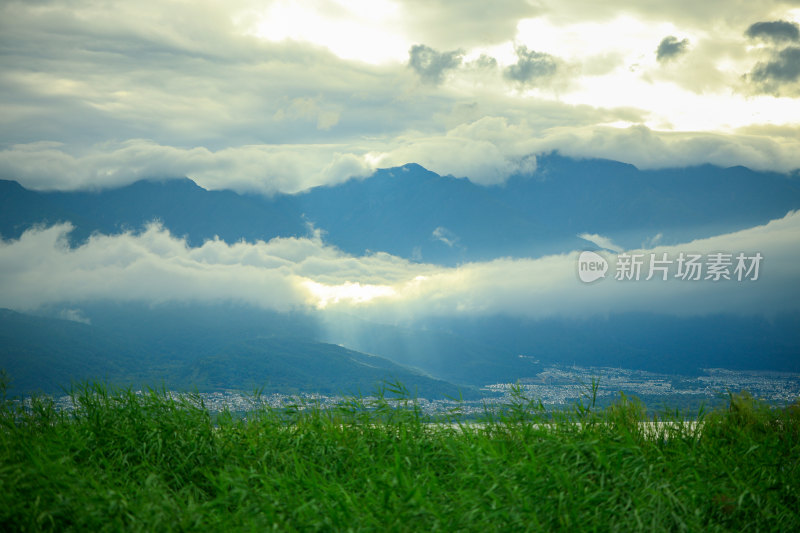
[[346, 292], [355, 29], [628, 74], [625, 35], [674, 108], [284, 274], [612, 63]]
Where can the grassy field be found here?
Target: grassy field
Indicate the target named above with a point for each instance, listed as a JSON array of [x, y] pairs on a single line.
[[122, 461]]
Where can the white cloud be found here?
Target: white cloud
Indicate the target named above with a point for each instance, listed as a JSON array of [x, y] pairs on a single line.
[[550, 286], [74, 315], [652, 242], [648, 149], [445, 235], [601, 241], [487, 151], [40, 269], [258, 168], [309, 109]]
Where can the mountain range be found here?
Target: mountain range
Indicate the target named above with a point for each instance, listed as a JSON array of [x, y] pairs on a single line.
[[413, 213], [416, 214]]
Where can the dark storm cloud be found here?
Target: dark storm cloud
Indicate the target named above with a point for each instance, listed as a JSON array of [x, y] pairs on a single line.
[[780, 73], [530, 66], [430, 64], [671, 47], [776, 31]]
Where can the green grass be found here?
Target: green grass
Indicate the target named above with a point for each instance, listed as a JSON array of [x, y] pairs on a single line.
[[122, 461]]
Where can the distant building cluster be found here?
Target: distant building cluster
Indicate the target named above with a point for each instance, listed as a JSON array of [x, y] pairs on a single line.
[[556, 385], [564, 384]]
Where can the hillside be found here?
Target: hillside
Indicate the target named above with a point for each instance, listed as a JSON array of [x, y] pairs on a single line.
[[47, 354]]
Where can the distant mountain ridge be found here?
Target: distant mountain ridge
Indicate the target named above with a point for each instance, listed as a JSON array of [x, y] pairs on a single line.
[[44, 354], [414, 213], [217, 347]]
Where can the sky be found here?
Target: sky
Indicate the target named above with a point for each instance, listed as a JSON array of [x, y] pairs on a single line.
[[280, 96]]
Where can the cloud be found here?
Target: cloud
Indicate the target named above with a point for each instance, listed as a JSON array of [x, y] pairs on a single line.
[[484, 62], [74, 315], [670, 47], [261, 168], [309, 109], [531, 66], [83, 74], [465, 23], [40, 269], [777, 31], [487, 151], [650, 149], [779, 75], [431, 65], [98, 94], [600, 241], [651, 242], [703, 14], [714, 66], [490, 150], [550, 286], [155, 267], [445, 235]]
